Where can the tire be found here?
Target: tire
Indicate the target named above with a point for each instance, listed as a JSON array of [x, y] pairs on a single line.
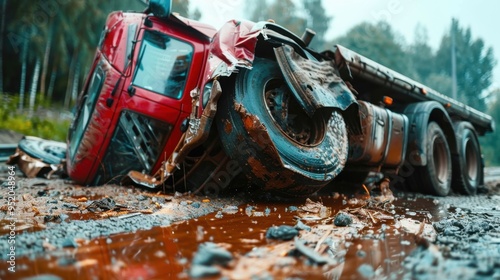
[[435, 177], [48, 151], [277, 145], [467, 165]]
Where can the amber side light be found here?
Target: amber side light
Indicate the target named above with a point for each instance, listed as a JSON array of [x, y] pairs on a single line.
[[387, 100], [424, 91]]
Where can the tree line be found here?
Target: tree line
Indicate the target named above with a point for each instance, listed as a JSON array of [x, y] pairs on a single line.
[[47, 46]]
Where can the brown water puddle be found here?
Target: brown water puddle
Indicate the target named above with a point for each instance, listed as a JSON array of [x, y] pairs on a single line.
[[166, 252]]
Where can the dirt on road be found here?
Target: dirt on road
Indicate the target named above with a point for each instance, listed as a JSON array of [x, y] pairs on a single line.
[[111, 232]]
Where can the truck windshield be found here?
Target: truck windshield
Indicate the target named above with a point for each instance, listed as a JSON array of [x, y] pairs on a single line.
[[163, 64]]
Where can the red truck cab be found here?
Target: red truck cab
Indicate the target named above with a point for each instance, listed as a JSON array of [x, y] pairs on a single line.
[[136, 96]]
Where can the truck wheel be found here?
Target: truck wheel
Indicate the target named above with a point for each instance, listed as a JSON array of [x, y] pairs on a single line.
[[264, 129], [467, 167], [48, 151], [435, 177]]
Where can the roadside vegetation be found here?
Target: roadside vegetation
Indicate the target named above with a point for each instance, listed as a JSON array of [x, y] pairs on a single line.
[[48, 122]]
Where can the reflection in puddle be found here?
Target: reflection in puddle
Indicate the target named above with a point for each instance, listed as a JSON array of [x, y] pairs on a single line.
[[377, 250]]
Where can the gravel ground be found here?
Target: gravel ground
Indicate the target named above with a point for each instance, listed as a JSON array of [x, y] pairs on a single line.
[[48, 213], [468, 241]]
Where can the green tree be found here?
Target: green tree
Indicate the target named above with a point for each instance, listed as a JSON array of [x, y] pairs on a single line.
[[422, 56], [379, 43], [474, 64], [491, 142], [318, 21], [60, 36], [283, 12], [440, 82]]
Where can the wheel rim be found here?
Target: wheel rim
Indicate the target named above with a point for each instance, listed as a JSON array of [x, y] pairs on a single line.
[[471, 161], [289, 117], [441, 163]]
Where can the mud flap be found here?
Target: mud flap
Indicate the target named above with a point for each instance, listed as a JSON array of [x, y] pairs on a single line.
[[315, 84]]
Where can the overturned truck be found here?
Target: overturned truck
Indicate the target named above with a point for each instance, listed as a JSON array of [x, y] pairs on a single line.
[[174, 102]]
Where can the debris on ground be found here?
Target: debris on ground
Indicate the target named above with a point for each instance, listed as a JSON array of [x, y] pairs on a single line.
[[282, 232], [207, 259], [397, 238], [342, 219]]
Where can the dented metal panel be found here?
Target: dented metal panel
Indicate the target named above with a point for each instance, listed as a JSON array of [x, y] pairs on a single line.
[[315, 84], [383, 140], [197, 132]]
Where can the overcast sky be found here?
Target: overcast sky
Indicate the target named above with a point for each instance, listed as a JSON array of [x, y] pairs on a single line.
[[481, 16]]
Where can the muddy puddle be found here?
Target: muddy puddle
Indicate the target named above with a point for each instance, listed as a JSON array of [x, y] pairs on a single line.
[[376, 248]]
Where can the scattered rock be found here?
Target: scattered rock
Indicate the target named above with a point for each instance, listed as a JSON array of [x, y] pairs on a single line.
[[52, 218], [200, 271], [66, 261], [231, 209], [69, 243], [248, 210], [301, 226], [210, 253], [196, 204], [267, 211], [342, 219], [42, 193], [366, 271], [54, 193], [309, 252], [69, 206], [219, 215], [282, 232]]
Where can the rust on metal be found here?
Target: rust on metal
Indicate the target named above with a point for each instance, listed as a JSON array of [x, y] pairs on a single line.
[[315, 84], [228, 127], [33, 167], [197, 133], [275, 176]]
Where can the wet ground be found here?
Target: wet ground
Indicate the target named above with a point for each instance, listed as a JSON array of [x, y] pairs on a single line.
[[116, 232]]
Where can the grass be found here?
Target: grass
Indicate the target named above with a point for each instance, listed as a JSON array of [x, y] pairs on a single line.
[[53, 128]]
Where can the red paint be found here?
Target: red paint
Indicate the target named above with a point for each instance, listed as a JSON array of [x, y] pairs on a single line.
[[215, 53]]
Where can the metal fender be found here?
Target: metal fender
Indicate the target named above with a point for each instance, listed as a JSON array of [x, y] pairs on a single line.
[[315, 84], [419, 115], [234, 45]]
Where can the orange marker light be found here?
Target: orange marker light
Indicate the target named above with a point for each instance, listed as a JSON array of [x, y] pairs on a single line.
[[387, 100], [424, 91]]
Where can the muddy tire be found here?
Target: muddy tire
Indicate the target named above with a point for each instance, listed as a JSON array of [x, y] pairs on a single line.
[[279, 147], [435, 177], [467, 165], [48, 151]]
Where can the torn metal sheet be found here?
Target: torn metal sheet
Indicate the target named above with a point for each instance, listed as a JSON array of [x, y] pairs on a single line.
[[315, 84], [33, 167], [197, 132]]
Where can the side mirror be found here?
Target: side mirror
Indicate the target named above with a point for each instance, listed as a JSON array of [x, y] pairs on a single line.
[[160, 8]]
